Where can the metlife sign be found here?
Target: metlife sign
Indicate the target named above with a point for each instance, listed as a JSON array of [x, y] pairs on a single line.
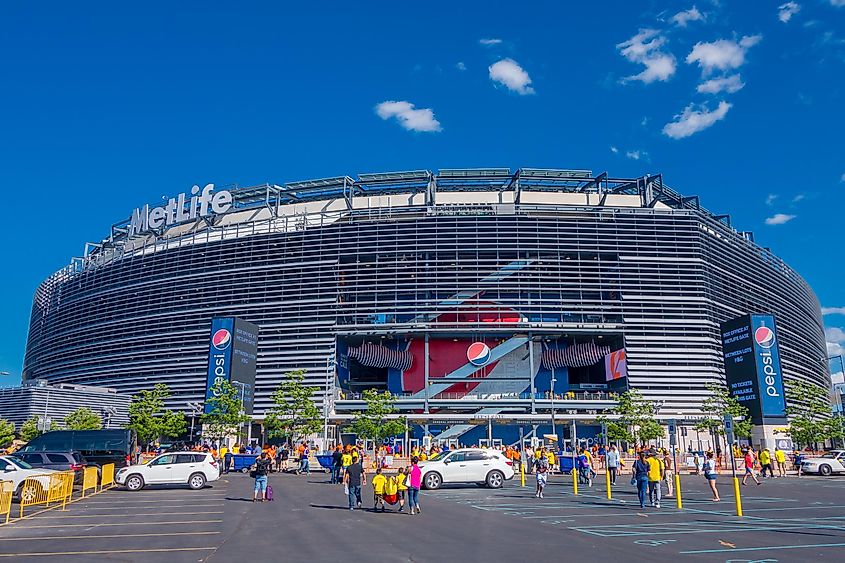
[[184, 207], [232, 353], [752, 366]]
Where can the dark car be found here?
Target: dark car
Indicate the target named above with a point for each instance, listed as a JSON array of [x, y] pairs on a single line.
[[97, 446], [58, 461]]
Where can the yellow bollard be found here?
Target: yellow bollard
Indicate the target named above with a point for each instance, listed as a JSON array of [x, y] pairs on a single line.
[[678, 501], [607, 481], [574, 481], [737, 497], [522, 472]]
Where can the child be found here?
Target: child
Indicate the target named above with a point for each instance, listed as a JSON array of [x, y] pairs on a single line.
[[402, 486], [379, 482]]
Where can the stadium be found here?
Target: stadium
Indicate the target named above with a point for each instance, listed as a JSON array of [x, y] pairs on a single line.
[[475, 296]]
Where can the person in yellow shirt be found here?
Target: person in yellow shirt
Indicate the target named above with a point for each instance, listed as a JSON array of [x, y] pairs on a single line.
[[780, 459], [656, 474], [550, 456], [402, 486], [379, 482], [766, 463]]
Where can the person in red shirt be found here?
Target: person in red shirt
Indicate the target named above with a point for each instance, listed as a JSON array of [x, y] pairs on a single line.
[[749, 467]]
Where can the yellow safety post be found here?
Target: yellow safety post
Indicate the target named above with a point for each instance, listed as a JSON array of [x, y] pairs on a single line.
[[522, 472], [574, 481], [6, 490], [737, 497], [607, 482], [89, 479], [107, 476], [678, 501]]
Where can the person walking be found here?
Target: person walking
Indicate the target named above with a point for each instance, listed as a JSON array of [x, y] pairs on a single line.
[[656, 474], [337, 464], [354, 478], [668, 472], [640, 477], [749, 468], [766, 463], [379, 484], [780, 459], [414, 486], [710, 475], [612, 463], [542, 470], [402, 487], [262, 468], [227, 460]]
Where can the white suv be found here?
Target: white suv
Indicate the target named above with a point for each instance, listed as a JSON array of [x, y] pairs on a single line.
[[16, 470], [470, 465], [192, 468]]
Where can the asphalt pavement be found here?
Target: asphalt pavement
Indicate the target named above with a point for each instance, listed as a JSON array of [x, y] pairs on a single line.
[[785, 520]]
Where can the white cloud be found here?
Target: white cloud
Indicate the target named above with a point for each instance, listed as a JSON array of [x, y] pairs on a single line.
[[798, 198], [723, 54], [614, 150], [833, 310], [834, 349], [842, 178], [644, 48], [683, 18], [779, 219], [770, 199], [691, 120], [461, 66], [513, 76], [834, 334], [489, 42], [729, 84], [837, 3], [409, 117], [786, 11], [636, 155]]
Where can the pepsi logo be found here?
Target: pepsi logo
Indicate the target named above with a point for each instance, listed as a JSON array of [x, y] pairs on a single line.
[[478, 353], [765, 337], [221, 339]]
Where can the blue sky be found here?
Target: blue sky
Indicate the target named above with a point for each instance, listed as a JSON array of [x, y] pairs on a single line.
[[104, 108]]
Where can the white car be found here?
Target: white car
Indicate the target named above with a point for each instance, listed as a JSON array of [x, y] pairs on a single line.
[[828, 464], [194, 469], [469, 465], [16, 470]]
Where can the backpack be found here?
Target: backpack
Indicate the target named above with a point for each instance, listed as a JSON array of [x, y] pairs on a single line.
[[583, 463], [269, 494]]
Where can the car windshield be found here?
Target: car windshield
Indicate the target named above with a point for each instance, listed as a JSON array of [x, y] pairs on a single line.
[[437, 456], [21, 463], [830, 455]]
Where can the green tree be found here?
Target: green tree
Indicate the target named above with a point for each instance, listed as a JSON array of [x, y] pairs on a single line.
[[810, 418], [225, 414], [294, 412], [83, 418], [636, 420], [7, 432], [29, 429], [374, 423], [150, 420], [718, 403]]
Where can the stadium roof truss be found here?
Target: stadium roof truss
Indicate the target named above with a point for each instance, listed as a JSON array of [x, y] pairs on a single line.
[[650, 189]]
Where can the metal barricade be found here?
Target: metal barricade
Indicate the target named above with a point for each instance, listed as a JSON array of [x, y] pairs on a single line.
[[46, 488], [89, 479], [7, 488], [107, 478]]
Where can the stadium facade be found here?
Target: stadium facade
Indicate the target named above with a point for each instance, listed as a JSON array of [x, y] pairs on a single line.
[[472, 295]]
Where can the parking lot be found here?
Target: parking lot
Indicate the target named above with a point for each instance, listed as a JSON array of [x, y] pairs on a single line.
[[786, 520]]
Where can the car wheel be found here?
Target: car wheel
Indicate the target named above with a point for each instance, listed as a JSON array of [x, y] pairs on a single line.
[[495, 479], [134, 483], [432, 481], [196, 481], [825, 470], [29, 492]]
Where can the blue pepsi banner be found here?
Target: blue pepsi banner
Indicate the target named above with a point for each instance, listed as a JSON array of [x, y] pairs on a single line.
[[232, 354], [752, 366]]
